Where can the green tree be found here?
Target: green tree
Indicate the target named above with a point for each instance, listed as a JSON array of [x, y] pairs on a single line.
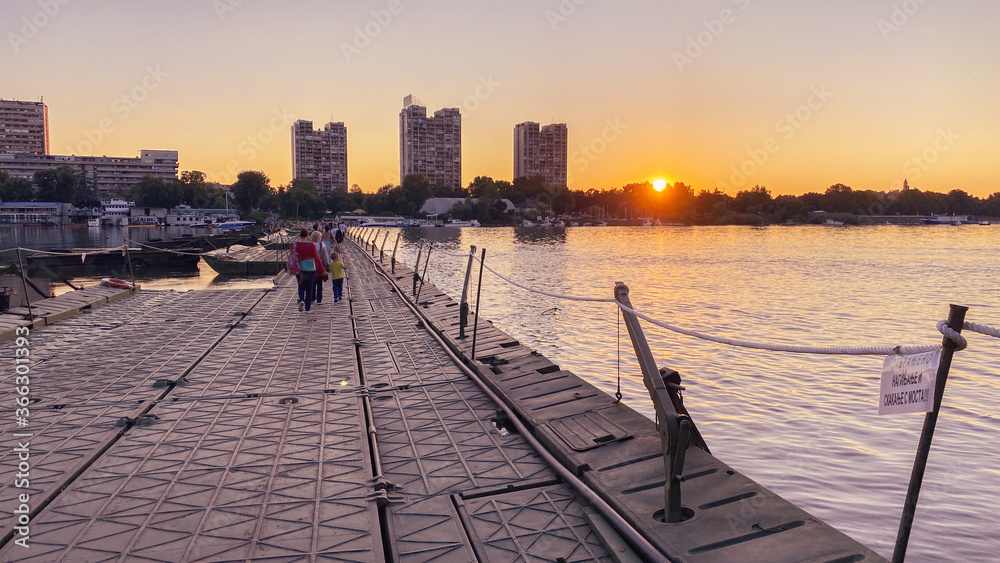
[[14, 189], [415, 189], [961, 203], [756, 200], [250, 188], [57, 184], [712, 204], [153, 191], [86, 192], [840, 199]]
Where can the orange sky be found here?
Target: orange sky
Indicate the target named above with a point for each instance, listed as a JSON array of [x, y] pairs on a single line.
[[794, 96]]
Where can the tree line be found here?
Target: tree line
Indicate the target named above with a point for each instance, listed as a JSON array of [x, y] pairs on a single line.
[[253, 195]]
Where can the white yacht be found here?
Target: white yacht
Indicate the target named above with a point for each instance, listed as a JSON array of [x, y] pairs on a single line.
[[116, 212]]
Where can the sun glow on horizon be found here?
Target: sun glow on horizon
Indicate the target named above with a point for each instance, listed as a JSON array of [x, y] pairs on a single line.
[[660, 184]]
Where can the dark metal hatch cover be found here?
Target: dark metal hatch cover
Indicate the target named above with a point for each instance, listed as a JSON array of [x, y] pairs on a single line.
[[588, 430]]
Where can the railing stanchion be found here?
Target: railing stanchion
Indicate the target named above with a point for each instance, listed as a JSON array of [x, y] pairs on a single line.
[[674, 423], [24, 284], [956, 320], [479, 289], [416, 267], [427, 261], [381, 252], [394, 247], [463, 309], [131, 272]]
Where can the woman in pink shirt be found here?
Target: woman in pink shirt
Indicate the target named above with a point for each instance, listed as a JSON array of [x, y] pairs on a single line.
[[310, 266]]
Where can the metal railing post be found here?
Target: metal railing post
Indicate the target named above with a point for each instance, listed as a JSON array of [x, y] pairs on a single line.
[[956, 320], [381, 252], [479, 289], [24, 284], [394, 247], [463, 309], [427, 261], [416, 267], [674, 423]]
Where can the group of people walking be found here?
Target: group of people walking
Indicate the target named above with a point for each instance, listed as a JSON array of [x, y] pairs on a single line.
[[319, 259]]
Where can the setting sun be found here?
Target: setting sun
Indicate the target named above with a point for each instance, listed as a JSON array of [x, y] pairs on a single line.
[[659, 184]]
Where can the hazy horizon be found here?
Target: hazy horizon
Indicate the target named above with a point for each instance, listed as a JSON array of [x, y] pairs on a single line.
[[722, 94]]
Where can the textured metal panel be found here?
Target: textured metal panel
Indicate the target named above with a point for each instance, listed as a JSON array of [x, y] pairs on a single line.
[[222, 480], [533, 525], [60, 443], [587, 430], [280, 350]]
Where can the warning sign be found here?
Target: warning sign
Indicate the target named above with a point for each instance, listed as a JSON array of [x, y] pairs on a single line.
[[908, 383]]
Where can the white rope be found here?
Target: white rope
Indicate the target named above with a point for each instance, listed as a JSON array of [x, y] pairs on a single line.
[[982, 329], [167, 249], [88, 253], [556, 295], [828, 350], [833, 350]]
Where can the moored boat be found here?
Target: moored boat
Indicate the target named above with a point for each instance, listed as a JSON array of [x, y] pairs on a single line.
[[249, 262]]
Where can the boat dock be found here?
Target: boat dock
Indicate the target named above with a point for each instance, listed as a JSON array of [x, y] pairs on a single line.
[[229, 426]]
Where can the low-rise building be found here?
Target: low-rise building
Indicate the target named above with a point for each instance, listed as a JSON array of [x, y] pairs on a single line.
[[35, 212], [108, 175]]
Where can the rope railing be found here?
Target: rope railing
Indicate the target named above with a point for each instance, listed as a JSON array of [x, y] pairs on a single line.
[[982, 329], [53, 253], [878, 350], [170, 250]]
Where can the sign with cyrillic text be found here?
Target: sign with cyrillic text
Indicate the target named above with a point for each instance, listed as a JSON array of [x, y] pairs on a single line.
[[908, 383]]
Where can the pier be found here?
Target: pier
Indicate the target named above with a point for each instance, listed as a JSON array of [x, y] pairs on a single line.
[[229, 426]]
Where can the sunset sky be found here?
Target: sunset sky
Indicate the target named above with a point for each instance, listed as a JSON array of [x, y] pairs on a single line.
[[791, 95]]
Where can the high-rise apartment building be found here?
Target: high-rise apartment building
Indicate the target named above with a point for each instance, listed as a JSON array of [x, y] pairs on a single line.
[[430, 145], [320, 155], [541, 152], [24, 127]]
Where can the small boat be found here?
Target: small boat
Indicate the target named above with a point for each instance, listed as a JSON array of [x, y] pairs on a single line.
[[232, 225], [528, 223], [94, 223], [457, 223], [832, 223], [249, 262]]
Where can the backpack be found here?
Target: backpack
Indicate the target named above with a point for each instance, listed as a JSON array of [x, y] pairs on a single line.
[[292, 265]]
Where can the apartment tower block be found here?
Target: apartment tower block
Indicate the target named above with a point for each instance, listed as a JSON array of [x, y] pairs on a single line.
[[24, 127], [320, 155], [541, 152], [430, 145]]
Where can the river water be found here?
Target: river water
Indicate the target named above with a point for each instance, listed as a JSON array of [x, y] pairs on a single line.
[[805, 426]]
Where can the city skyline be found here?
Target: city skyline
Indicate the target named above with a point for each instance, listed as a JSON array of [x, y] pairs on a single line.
[[723, 94]]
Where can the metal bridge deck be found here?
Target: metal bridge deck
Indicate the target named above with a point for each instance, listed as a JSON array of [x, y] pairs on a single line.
[[228, 426]]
